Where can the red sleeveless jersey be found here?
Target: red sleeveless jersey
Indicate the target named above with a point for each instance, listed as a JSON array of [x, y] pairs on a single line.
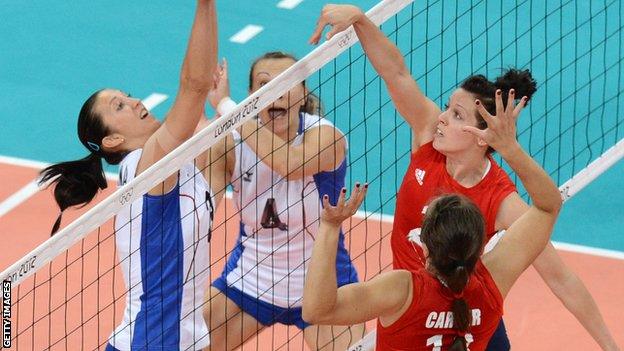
[[428, 322], [427, 178]]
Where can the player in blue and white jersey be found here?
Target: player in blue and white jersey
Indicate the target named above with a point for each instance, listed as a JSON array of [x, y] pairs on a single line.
[[162, 238], [280, 165]]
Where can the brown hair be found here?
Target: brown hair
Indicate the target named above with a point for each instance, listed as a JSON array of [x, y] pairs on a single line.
[[453, 230], [520, 80], [312, 103]]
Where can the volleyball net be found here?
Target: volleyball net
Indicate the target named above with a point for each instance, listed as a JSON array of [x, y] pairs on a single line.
[[69, 293]]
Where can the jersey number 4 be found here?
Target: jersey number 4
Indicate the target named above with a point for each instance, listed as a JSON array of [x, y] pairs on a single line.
[[436, 341]]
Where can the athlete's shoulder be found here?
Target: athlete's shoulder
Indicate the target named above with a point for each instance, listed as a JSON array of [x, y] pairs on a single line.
[[128, 166], [310, 121], [426, 153]]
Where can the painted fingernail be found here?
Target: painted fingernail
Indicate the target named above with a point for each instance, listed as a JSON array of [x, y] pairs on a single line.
[[512, 92], [325, 196], [344, 190], [498, 92], [357, 185], [365, 185], [477, 102]]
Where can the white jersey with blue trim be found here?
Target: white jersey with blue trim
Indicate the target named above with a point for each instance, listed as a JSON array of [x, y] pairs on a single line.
[[163, 250], [279, 219]]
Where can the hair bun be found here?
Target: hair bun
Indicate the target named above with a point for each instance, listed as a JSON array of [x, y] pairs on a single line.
[[520, 80]]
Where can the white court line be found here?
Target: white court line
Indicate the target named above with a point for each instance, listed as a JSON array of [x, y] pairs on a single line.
[[22, 162], [589, 250], [289, 4], [245, 34], [154, 100], [385, 218], [32, 188], [18, 197], [14, 161]]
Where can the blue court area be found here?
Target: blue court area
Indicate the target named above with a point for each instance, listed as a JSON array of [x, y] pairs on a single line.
[[53, 55]]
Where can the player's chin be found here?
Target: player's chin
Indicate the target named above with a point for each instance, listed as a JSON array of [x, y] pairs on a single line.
[[437, 143]]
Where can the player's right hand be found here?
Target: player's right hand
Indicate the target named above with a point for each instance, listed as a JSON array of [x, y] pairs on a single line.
[[334, 215], [339, 17], [221, 85]]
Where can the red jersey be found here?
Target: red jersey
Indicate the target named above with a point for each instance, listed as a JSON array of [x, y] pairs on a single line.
[[428, 322], [427, 178]]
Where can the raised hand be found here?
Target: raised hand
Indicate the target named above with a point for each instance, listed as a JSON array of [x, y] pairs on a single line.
[[339, 17], [221, 84], [501, 129], [334, 215]]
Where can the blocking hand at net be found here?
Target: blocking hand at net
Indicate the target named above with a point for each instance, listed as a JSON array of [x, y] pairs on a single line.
[[219, 94], [500, 133], [333, 216], [339, 17]]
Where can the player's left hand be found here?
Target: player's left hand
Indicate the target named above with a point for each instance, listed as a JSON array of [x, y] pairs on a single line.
[[339, 17], [501, 129], [334, 215]]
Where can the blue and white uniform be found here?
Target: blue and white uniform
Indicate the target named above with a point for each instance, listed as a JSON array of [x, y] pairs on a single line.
[[163, 249], [265, 272]]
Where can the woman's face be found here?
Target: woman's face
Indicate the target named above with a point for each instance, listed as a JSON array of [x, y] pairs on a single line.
[[461, 111], [282, 117], [126, 116]]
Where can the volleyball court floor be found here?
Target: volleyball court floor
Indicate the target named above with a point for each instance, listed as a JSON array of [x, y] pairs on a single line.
[[48, 84], [535, 319]]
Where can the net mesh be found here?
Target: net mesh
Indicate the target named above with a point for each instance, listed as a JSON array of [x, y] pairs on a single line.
[[574, 50]]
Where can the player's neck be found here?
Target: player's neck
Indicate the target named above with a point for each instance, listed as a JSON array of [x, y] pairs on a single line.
[[467, 169]]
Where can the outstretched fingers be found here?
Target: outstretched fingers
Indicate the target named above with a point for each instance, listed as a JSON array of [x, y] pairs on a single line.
[[357, 197], [318, 31], [479, 133], [511, 101], [224, 68], [344, 208], [326, 205], [498, 98], [489, 119], [520, 106], [342, 198]]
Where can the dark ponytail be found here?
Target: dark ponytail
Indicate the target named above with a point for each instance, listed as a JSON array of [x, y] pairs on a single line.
[[461, 313], [312, 105], [453, 231], [520, 80], [77, 182]]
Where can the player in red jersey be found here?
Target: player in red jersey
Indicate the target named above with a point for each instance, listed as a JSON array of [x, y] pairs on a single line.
[[455, 300], [445, 158]]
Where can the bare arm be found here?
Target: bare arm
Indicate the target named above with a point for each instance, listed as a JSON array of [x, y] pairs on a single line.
[[323, 301], [515, 251], [195, 81], [323, 149], [561, 280], [418, 111]]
